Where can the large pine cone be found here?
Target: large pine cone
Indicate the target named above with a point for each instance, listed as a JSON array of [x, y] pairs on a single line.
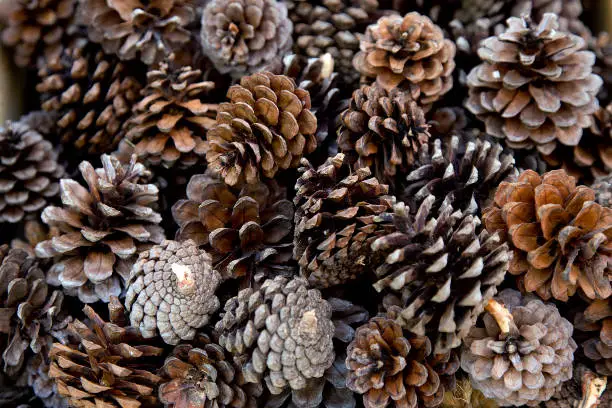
[[334, 221], [108, 364], [29, 172], [170, 121], [92, 94], [152, 30], [558, 234], [387, 364], [282, 331], [246, 230], [596, 320], [103, 228], [410, 51], [267, 126], [535, 86], [172, 290], [242, 37], [527, 364]]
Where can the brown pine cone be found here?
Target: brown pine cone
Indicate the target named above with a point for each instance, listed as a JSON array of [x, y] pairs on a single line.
[[267, 126], [386, 364], [569, 12], [242, 37], [384, 130], [103, 228], [573, 391], [152, 30], [281, 331], [334, 221], [596, 320], [559, 236], [172, 291], [170, 120], [246, 230], [29, 172], [43, 386], [37, 28], [410, 51], [523, 352], [602, 47], [535, 87], [108, 364], [603, 190]]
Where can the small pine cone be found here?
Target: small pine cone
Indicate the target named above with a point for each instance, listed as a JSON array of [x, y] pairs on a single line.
[[37, 28], [572, 391], [384, 130], [535, 86], [522, 353], [386, 364], [29, 172], [172, 290], [150, 30], [103, 228], [557, 232], [246, 230], [596, 320], [92, 94], [267, 126], [37, 373], [242, 37], [603, 190], [283, 331], [464, 396], [410, 51], [334, 221], [170, 120], [107, 365], [602, 47], [204, 375]]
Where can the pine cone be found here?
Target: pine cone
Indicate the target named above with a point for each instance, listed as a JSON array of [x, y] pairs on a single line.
[[36, 28], [152, 30], [104, 227], [266, 126], [571, 392], [108, 365], [246, 230], [558, 235], [334, 221], [384, 130], [92, 94], [535, 86], [37, 372], [569, 12], [603, 190], [172, 290], [387, 364], [410, 51], [602, 47], [29, 172], [204, 376], [464, 396], [169, 122], [282, 331], [522, 354], [242, 37], [596, 320]]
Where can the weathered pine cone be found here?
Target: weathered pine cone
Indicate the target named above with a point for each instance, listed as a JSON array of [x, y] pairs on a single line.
[[267, 126], [596, 320]]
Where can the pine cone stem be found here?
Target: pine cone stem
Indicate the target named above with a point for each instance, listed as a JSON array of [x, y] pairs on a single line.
[[502, 316], [592, 388]]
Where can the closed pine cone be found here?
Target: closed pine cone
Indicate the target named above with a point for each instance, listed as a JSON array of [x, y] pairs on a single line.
[[282, 331], [267, 126], [103, 228], [408, 51], [242, 37], [572, 391], [29, 172], [559, 235], [334, 221], [169, 122], [596, 320], [535, 87], [526, 362], [107, 364]]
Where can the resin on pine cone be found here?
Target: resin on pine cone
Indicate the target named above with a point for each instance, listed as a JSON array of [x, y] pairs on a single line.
[[281, 331], [267, 126], [172, 291], [103, 228], [535, 87], [334, 221], [169, 122], [596, 322], [522, 353], [242, 37], [408, 51], [558, 234]]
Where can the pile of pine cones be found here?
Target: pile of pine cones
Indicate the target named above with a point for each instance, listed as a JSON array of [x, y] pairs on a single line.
[[303, 204]]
